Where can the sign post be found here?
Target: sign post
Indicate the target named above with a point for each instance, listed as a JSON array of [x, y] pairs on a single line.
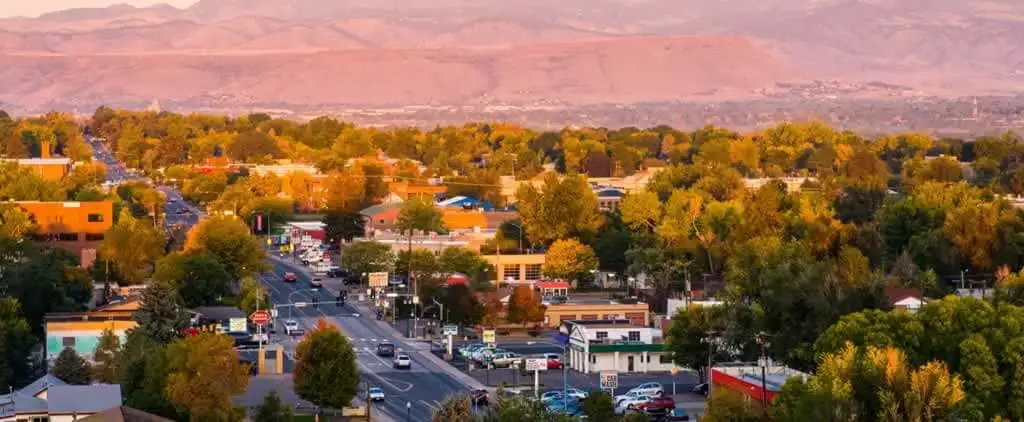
[[536, 365], [489, 337], [378, 279], [610, 381], [449, 331], [675, 371]]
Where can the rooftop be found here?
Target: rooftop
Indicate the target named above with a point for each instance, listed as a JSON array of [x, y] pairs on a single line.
[[219, 313], [83, 398], [38, 161], [124, 414]]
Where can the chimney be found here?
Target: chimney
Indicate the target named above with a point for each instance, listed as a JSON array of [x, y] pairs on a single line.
[[44, 150]]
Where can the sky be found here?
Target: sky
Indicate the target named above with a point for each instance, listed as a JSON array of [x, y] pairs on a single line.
[[32, 8]]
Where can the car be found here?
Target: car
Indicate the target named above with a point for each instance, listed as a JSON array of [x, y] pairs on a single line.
[[570, 407], [467, 350], [316, 281], [550, 396], [573, 393], [505, 360], [385, 349], [291, 327], [660, 404], [631, 403], [554, 360], [480, 397], [376, 394], [629, 394], [261, 338], [701, 389], [648, 388], [403, 361], [485, 353], [290, 278]]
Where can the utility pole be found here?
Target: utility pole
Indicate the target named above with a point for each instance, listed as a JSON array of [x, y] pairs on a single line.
[[711, 354], [764, 376]]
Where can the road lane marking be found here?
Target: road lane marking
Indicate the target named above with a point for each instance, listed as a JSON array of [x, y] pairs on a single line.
[[404, 390], [431, 406]]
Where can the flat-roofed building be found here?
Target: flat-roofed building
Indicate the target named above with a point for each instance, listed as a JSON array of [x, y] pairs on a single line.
[[748, 380], [516, 269], [77, 227], [637, 313], [613, 345], [81, 331], [48, 168]]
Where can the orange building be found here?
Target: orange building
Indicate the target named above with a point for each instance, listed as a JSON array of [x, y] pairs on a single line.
[[74, 226], [48, 168], [404, 190]]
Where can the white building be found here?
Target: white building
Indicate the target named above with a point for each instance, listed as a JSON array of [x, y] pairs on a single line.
[[614, 345]]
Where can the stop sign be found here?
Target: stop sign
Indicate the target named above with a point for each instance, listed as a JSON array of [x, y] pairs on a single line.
[[260, 317]]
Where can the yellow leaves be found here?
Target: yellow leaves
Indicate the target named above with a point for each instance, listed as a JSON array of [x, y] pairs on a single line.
[[745, 152], [569, 259], [641, 210], [204, 374]]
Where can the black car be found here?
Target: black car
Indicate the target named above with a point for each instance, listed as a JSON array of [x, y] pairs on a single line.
[[244, 340], [385, 349]]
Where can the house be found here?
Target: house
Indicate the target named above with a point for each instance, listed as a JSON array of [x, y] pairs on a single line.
[[124, 414], [77, 227], [907, 299], [748, 380], [404, 190], [380, 217], [613, 345], [50, 399], [608, 198], [81, 331], [553, 288]]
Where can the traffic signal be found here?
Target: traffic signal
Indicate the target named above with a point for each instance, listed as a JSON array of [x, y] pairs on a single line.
[[316, 301], [341, 300]]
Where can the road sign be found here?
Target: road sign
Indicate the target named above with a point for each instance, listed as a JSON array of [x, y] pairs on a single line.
[[609, 380], [300, 304], [378, 279], [489, 336], [450, 330], [536, 364], [675, 371], [259, 317]]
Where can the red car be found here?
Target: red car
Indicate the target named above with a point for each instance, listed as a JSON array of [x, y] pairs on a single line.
[[662, 402], [554, 361], [290, 278]]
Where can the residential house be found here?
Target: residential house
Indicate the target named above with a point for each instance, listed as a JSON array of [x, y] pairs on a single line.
[[124, 414], [613, 345], [907, 299], [49, 399], [608, 198]]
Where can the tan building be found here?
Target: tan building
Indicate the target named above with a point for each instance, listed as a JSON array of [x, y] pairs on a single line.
[[517, 268], [53, 169], [638, 314]]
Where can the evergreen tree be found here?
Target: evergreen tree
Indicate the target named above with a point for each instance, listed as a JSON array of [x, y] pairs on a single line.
[[71, 368], [272, 410], [161, 317], [107, 358]]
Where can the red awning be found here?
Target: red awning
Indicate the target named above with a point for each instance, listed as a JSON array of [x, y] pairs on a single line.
[[457, 279], [553, 285]]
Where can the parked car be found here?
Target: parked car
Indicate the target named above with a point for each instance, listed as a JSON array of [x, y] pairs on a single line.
[[480, 397], [376, 394], [552, 395], [317, 281], [659, 403], [628, 394], [402, 361], [647, 388], [385, 349], [701, 389], [291, 328], [505, 360], [567, 407], [554, 360], [631, 403], [290, 278], [486, 353], [467, 350]]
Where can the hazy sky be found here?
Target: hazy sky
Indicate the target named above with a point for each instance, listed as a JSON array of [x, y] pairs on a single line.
[[37, 7]]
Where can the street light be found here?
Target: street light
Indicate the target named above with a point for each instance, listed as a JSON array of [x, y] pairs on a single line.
[[408, 411]]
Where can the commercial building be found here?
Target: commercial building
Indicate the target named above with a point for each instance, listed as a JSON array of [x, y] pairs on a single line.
[[638, 314], [516, 269], [52, 400], [81, 331], [77, 227], [748, 380], [405, 190], [53, 169], [613, 345]]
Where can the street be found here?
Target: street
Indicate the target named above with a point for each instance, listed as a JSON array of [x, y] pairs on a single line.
[[423, 387]]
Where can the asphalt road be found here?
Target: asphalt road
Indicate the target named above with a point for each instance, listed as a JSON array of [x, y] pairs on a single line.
[[414, 393]]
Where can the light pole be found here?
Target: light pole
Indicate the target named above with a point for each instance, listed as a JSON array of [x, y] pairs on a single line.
[[711, 354], [764, 369], [408, 411]]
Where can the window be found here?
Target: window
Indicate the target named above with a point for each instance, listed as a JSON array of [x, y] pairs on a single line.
[[94, 237], [664, 358], [634, 336], [67, 237], [602, 335], [381, 221], [95, 218], [593, 358], [68, 341], [533, 272], [512, 271]]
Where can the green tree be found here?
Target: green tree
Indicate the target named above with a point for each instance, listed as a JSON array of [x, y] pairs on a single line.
[[45, 280], [687, 337], [461, 306], [144, 375], [568, 259], [251, 294], [464, 261], [253, 146], [71, 368], [132, 245], [562, 208], [229, 241], [368, 257], [598, 407], [325, 368], [273, 410], [162, 316], [204, 374], [198, 277], [107, 358], [343, 225], [16, 342]]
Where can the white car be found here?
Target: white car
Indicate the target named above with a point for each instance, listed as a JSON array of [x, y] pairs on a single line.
[[631, 403], [376, 394], [647, 389], [629, 395], [556, 395], [317, 281], [403, 361], [291, 327]]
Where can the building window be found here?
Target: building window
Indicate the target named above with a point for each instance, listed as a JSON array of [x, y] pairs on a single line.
[[589, 317], [381, 221], [94, 237], [602, 335], [512, 271], [593, 358], [95, 218], [566, 317], [68, 342], [533, 272], [634, 336], [67, 237], [664, 358]]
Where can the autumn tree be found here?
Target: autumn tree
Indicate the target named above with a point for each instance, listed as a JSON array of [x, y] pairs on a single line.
[[107, 358], [229, 241], [524, 306], [729, 406], [325, 367], [568, 259], [133, 246], [251, 294], [560, 209], [253, 146], [368, 257], [199, 278], [71, 368], [204, 373]]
